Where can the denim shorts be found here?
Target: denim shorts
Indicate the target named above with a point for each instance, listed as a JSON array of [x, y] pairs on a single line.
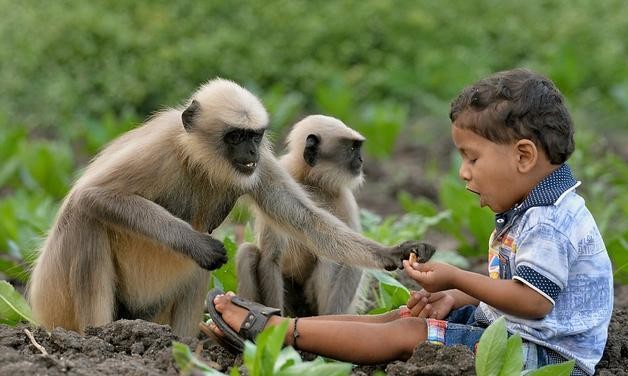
[[461, 328]]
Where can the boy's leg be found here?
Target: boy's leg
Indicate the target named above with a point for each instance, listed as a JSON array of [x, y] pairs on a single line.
[[353, 341], [380, 318]]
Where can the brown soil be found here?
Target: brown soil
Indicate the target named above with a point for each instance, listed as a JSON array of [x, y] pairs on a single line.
[[138, 347]]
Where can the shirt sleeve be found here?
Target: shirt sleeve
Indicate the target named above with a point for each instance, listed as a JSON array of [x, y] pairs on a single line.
[[542, 260]]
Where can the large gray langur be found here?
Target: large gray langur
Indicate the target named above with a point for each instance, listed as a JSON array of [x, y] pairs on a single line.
[[324, 156], [132, 237]]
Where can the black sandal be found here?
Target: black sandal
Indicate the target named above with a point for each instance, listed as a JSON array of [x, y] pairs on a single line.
[[253, 323]]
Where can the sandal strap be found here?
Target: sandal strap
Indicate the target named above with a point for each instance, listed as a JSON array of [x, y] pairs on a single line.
[[256, 319]]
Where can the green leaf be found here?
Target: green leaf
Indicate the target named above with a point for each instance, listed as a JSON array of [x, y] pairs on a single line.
[[13, 269], [489, 358], [8, 170], [618, 252], [225, 277], [13, 307], [514, 356], [392, 293], [317, 367], [288, 357], [182, 356], [562, 369], [186, 361], [271, 341], [260, 358], [335, 98], [421, 205], [252, 362]]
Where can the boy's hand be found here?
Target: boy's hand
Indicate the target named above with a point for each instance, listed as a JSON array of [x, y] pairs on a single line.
[[430, 305], [432, 276]]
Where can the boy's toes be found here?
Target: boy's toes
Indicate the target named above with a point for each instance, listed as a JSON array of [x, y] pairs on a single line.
[[215, 330], [221, 301]]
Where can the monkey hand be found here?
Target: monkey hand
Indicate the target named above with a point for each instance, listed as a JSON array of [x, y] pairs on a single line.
[[209, 253], [423, 251]]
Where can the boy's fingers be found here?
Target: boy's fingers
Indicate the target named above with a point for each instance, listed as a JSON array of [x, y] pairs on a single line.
[[425, 312], [420, 266], [419, 307], [412, 300]]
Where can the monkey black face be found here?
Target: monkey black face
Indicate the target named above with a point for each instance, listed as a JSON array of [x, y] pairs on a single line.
[[353, 156], [242, 148], [347, 153]]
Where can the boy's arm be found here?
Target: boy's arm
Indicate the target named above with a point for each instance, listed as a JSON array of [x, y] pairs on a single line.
[[509, 296], [437, 305], [462, 299]]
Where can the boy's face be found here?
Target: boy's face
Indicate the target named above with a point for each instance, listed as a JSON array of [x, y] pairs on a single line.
[[489, 169]]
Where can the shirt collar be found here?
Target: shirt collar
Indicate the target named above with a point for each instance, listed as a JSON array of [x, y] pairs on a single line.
[[548, 192]]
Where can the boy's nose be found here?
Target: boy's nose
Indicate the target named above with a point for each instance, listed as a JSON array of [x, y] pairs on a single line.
[[464, 172]]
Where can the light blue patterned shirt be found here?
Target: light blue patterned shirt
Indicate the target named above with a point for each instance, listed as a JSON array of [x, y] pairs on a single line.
[[551, 243]]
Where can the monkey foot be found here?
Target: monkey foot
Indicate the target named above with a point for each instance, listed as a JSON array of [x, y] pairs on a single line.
[[252, 318]]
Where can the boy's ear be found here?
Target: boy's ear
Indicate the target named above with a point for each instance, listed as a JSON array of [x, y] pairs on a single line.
[[527, 155]]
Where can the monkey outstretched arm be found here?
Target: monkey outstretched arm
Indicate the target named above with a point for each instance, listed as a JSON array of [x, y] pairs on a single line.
[[287, 206], [133, 212]]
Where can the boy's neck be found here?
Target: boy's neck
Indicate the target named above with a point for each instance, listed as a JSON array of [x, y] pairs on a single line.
[[541, 170]]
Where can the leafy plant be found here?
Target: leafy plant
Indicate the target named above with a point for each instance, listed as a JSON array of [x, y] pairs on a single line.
[[394, 229], [500, 355], [380, 122], [266, 357], [390, 293], [225, 277], [13, 307], [605, 180], [25, 217], [188, 363], [463, 218]]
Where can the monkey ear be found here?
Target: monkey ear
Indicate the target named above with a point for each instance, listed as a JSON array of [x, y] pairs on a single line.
[[310, 154], [188, 115]]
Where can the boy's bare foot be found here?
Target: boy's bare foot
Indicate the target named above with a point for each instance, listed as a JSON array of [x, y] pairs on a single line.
[[233, 315]]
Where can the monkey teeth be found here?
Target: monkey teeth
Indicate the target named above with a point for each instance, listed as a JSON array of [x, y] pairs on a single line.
[[250, 165]]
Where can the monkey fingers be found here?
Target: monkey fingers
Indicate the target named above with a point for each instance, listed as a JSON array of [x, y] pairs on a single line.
[[422, 251], [210, 254]]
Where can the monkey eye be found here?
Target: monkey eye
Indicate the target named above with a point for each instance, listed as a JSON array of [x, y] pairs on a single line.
[[257, 137], [355, 145], [234, 137]]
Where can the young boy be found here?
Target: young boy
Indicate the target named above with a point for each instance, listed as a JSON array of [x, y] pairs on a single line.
[[549, 273]]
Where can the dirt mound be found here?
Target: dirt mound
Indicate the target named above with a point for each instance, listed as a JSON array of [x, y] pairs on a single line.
[[138, 347], [125, 347]]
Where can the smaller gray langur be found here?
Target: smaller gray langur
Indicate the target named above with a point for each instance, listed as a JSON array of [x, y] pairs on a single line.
[[324, 157]]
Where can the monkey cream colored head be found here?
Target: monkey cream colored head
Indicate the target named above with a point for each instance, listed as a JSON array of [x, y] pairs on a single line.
[[225, 125], [324, 152]]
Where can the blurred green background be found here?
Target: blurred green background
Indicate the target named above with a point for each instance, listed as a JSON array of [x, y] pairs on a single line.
[[75, 74]]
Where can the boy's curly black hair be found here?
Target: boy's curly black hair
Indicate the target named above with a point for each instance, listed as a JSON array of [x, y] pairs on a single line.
[[513, 105]]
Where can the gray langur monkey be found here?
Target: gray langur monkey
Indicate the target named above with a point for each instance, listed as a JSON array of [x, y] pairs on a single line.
[[324, 156], [132, 237]]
